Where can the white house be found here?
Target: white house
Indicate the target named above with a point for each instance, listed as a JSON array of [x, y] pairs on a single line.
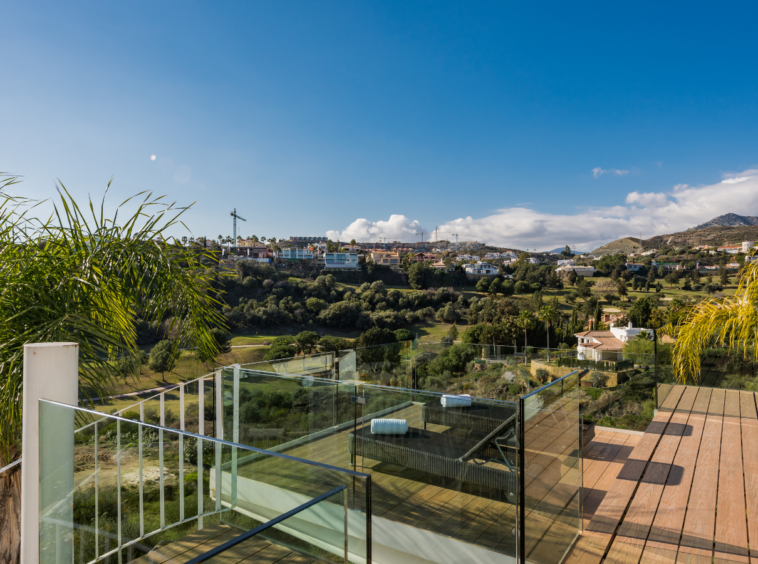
[[606, 345], [744, 247], [481, 269], [440, 265], [295, 253], [580, 270], [467, 257], [533, 260], [341, 260], [566, 262]]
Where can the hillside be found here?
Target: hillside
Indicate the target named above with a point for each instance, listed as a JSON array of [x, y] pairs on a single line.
[[705, 236], [626, 245], [728, 220]]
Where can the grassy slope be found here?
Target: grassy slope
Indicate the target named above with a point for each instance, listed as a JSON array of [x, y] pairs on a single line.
[[187, 368], [667, 292]]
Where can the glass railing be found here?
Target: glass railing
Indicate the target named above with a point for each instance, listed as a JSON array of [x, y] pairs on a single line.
[[451, 476], [326, 520], [321, 365], [112, 487], [550, 444]]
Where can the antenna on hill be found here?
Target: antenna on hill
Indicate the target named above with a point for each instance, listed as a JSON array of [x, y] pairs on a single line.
[[234, 226]]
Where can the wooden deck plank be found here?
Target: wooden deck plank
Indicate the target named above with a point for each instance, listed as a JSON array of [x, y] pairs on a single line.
[[471, 507], [590, 548], [165, 553], [749, 428], [593, 449], [548, 482], [610, 469], [608, 515], [203, 548], [239, 552], [611, 445], [731, 522], [663, 541], [632, 534], [699, 524], [559, 506]]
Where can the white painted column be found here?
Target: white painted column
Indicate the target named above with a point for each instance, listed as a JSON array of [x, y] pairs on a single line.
[[51, 372]]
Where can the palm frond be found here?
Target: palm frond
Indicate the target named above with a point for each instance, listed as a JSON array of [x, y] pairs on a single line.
[[83, 278], [731, 322]]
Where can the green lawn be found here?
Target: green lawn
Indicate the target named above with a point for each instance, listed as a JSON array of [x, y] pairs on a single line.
[[435, 330], [187, 368], [666, 295]]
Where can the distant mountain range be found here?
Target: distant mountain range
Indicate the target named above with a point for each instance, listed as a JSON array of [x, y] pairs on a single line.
[[559, 250], [728, 220]]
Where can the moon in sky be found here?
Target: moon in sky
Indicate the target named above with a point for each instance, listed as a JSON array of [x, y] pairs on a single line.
[[152, 157]]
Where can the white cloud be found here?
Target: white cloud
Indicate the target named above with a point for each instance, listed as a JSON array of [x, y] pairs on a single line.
[[597, 172], [398, 228], [521, 227], [646, 199]]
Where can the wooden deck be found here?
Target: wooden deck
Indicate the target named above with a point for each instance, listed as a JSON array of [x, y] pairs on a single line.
[[686, 493], [252, 550]]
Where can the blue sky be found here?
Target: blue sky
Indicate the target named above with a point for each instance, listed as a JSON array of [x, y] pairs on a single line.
[[374, 119]]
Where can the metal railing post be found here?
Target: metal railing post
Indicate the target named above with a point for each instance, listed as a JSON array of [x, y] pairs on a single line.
[[118, 487], [160, 463], [219, 435], [200, 431], [235, 430], [181, 452], [521, 511], [97, 496], [140, 477]]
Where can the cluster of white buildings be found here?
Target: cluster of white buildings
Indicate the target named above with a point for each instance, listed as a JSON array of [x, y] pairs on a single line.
[[580, 270], [745, 247], [504, 255], [481, 269]]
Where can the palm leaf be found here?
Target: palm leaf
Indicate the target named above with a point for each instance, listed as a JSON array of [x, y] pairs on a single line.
[[83, 278]]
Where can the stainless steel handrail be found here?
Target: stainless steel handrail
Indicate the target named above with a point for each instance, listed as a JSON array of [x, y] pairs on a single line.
[[11, 465], [375, 386], [252, 532], [530, 394], [214, 440]]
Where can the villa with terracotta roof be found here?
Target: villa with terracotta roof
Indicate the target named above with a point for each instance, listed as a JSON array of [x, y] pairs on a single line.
[[605, 345]]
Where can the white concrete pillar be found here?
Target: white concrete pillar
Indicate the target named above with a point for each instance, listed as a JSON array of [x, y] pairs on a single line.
[[51, 372]]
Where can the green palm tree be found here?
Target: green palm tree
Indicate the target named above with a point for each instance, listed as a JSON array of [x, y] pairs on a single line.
[[81, 277], [527, 322], [548, 315], [731, 322]]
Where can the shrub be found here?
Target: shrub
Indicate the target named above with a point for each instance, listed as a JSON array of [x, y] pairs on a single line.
[[163, 357], [522, 287], [598, 379], [542, 375]]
